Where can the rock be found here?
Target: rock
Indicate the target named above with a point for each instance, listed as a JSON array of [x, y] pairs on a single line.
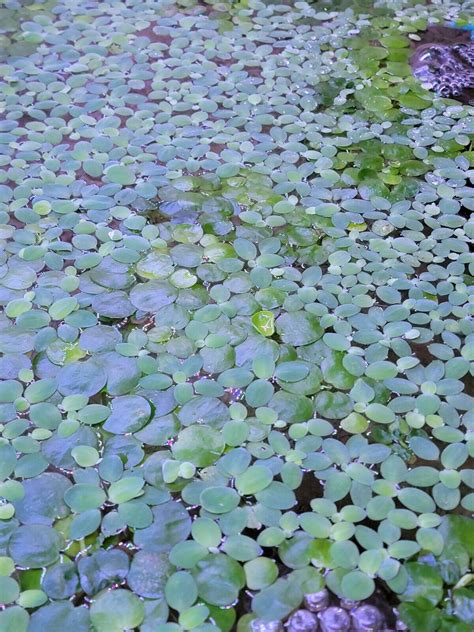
[[368, 619], [303, 621], [348, 604], [335, 620], [317, 601]]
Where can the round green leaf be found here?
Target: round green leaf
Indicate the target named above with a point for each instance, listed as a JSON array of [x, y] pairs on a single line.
[[357, 586], [200, 445], [116, 610]]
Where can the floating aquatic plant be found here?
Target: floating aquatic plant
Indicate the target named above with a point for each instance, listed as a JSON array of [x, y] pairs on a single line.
[[236, 338]]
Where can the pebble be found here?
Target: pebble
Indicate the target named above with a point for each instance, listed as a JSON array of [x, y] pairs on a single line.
[[315, 602], [367, 619], [303, 621], [349, 604], [335, 620]]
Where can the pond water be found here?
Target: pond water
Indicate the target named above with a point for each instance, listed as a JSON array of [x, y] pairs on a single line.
[[236, 335]]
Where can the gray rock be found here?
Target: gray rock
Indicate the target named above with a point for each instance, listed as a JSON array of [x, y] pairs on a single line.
[[335, 620], [349, 604], [317, 601], [368, 619], [303, 621]]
